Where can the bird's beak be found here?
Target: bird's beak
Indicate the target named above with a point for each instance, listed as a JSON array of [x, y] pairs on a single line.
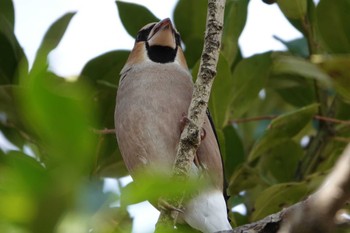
[[162, 34]]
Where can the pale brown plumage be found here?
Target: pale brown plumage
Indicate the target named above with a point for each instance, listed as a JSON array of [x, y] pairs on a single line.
[[152, 97]]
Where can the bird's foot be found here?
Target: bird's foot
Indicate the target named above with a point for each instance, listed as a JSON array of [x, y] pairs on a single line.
[[203, 133], [183, 121]]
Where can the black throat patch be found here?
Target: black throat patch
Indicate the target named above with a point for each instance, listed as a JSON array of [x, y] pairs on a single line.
[[161, 54]]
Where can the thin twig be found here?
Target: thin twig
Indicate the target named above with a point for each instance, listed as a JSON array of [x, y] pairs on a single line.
[[104, 131], [332, 120], [271, 117], [341, 139]]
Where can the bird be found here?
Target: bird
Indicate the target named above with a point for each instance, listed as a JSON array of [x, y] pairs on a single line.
[[154, 92]]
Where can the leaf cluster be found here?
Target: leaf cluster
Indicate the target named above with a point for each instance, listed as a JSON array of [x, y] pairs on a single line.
[[282, 119]]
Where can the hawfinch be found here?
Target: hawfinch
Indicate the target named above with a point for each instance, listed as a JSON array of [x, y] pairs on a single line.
[[154, 93]]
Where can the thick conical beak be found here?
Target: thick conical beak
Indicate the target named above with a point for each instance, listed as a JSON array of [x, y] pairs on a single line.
[[162, 34]]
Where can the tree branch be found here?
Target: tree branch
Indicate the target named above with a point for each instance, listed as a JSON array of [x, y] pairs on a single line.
[[316, 214], [190, 137]]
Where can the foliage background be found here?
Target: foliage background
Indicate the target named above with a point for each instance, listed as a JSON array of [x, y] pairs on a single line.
[[282, 119]]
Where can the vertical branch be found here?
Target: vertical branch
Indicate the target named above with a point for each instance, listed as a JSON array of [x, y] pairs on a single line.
[[190, 137]]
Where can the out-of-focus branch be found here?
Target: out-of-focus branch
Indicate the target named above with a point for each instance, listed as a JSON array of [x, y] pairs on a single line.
[[317, 214]]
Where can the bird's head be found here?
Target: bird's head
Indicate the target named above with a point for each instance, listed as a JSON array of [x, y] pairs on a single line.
[[157, 42]]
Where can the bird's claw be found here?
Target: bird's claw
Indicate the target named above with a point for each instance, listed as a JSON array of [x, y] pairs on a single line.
[[183, 121], [203, 134]]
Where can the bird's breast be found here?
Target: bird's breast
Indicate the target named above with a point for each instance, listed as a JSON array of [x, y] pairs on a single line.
[[150, 104]]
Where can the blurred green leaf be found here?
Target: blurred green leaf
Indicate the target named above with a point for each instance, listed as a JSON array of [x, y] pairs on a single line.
[[109, 162], [249, 78], [279, 164], [8, 104], [193, 52], [244, 177], [12, 57], [105, 67], [293, 9], [22, 181], [283, 64], [235, 19], [234, 151], [11, 123], [221, 94], [152, 186], [8, 12], [297, 47], [343, 109], [274, 198], [293, 89], [190, 17], [282, 129], [30, 172], [338, 68], [58, 111], [103, 74], [333, 24], [50, 41], [134, 16]]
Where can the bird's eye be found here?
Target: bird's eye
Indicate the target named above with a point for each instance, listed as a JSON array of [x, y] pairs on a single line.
[[142, 35]]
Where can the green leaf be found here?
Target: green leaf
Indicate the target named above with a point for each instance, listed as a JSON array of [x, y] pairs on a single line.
[[234, 153], [23, 180], [279, 164], [282, 129], [58, 111], [105, 67], [338, 68], [151, 186], [293, 9], [8, 104], [190, 18], [31, 172], [193, 51], [274, 198], [293, 89], [12, 125], [134, 16], [283, 64], [103, 74], [235, 19], [50, 41], [333, 24], [244, 177], [249, 78], [221, 94], [12, 58], [8, 12], [297, 47]]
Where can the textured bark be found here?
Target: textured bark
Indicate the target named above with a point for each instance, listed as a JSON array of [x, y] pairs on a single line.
[[190, 137], [316, 214]]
